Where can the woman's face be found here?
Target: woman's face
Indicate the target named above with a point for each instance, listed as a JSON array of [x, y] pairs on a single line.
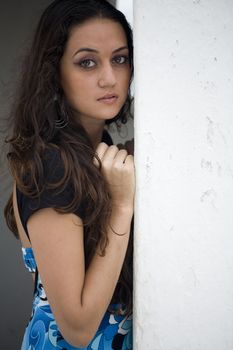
[[95, 69]]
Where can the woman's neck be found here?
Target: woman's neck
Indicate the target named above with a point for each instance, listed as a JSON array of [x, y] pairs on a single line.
[[95, 132]]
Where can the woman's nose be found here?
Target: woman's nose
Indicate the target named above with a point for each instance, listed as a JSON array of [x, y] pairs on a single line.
[[107, 76]]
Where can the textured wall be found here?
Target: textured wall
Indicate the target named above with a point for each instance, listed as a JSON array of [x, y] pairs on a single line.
[[184, 159]]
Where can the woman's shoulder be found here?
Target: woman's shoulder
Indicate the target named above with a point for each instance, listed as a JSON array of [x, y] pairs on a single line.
[[55, 191]]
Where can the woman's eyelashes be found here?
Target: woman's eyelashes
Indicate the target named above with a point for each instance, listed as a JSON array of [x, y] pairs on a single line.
[[120, 59], [89, 63]]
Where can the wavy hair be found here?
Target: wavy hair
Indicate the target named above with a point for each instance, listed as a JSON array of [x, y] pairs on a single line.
[[36, 116]]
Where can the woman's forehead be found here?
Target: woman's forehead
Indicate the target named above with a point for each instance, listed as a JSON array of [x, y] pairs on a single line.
[[97, 34]]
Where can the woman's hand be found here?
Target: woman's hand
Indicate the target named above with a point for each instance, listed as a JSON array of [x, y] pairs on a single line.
[[119, 172]]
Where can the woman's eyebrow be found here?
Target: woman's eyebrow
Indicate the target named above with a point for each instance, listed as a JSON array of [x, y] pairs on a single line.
[[88, 49], [120, 49]]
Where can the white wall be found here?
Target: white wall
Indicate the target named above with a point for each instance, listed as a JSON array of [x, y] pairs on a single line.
[[184, 170]]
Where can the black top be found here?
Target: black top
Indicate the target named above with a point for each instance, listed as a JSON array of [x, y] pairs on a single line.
[[49, 198]]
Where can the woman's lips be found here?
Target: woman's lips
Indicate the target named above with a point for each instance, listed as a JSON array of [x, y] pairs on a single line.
[[108, 99]]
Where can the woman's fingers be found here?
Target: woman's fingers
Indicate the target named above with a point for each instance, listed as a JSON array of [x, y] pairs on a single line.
[[109, 155], [100, 151], [121, 157], [111, 152]]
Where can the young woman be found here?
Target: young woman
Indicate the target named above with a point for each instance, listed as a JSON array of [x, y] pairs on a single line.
[[73, 196]]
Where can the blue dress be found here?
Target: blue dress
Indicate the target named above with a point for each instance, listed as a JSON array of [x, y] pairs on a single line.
[[42, 332]]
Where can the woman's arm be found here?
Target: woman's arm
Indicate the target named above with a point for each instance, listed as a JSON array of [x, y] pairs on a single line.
[[78, 299]]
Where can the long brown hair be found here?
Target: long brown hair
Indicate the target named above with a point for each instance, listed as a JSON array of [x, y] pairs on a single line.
[[41, 123]]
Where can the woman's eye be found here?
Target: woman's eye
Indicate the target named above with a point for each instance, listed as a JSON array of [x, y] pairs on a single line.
[[120, 59], [87, 63]]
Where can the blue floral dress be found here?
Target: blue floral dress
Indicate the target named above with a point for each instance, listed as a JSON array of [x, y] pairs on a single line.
[[42, 332]]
